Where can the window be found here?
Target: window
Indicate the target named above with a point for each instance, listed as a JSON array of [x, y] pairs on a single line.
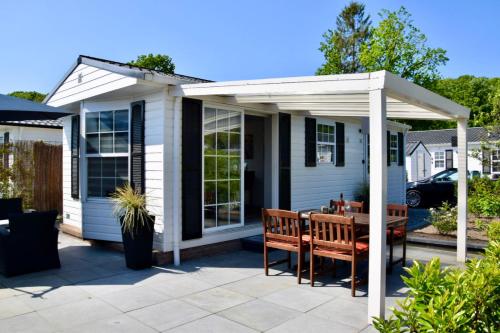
[[106, 135], [439, 159], [495, 161], [222, 167], [447, 176], [394, 148], [325, 143]]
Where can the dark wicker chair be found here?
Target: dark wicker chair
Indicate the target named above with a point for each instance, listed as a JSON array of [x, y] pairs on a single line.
[[29, 244], [10, 206]]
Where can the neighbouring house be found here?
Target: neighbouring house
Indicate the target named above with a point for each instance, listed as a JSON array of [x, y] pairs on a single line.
[[208, 162], [418, 161], [442, 146], [48, 131]]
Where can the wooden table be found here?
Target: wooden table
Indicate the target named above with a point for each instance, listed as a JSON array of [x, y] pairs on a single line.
[[363, 220]]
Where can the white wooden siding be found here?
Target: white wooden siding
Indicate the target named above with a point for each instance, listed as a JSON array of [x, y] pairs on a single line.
[[72, 208], [87, 81], [23, 133]]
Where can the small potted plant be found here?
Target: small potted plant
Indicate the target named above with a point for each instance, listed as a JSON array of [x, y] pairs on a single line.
[[137, 226]]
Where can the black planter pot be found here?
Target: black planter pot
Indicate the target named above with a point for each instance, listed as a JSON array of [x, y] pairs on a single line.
[[139, 245]]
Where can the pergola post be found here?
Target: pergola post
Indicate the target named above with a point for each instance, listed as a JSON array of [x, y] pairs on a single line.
[[462, 190], [378, 201]]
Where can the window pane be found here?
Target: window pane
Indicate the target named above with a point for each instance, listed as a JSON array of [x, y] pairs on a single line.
[[222, 143], [222, 168], [91, 122], [210, 191], [106, 142], [108, 186], [234, 214], [92, 143], [121, 120], [106, 121], [94, 167], [121, 142], [234, 167], [94, 187], [121, 164], [120, 182], [108, 167], [210, 217], [210, 167], [210, 120], [222, 120], [210, 144], [234, 191], [222, 215], [222, 192], [234, 144], [235, 122]]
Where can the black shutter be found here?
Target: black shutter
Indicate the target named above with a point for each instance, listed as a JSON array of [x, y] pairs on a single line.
[[340, 142], [401, 154], [137, 179], [388, 148], [310, 140], [486, 161], [284, 161], [454, 142], [75, 157], [191, 168], [449, 159], [6, 139]]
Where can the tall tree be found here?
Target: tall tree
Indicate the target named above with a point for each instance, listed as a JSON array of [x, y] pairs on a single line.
[[159, 62], [341, 47], [34, 96], [398, 46]]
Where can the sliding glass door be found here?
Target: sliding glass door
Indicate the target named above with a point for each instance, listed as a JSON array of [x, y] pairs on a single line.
[[222, 164]]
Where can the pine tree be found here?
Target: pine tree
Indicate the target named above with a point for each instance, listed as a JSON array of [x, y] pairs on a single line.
[[341, 47]]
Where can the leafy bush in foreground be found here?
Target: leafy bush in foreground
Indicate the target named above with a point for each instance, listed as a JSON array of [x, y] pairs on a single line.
[[450, 299]]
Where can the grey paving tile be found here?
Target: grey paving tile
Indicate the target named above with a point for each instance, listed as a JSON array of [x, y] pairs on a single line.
[[29, 322], [218, 276], [168, 314], [78, 313], [259, 315], [12, 306], [298, 299], [216, 299], [108, 284], [261, 285], [6, 292], [212, 324], [345, 311], [54, 297], [307, 323], [117, 324], [134, 298], [180, 286], [35, 284]]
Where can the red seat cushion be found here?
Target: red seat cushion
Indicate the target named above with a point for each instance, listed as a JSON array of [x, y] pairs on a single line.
[[398, 232]]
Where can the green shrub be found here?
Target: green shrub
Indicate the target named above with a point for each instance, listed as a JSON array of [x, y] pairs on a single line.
[[444, 218], [494, 231], [484, 197], [449, 299]]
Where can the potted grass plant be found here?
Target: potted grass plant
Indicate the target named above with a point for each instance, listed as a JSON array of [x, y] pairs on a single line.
[[137, 226]]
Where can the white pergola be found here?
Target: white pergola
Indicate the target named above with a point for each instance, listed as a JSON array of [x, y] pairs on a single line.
[[378, 96]]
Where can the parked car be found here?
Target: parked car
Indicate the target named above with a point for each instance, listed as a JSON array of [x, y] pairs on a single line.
[[434, 190]]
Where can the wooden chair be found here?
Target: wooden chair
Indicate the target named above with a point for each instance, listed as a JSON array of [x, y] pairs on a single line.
[[283, 231], [334, 236], [357, 206], [397, 235]]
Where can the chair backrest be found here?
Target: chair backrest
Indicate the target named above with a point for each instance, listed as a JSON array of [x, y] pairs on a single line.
[[338, 206], [281, 225], [10, 206], [35, 224], [356, 206], [397, 210], [333, 231]]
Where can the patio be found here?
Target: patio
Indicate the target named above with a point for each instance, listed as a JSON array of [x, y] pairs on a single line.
[[93, 291]]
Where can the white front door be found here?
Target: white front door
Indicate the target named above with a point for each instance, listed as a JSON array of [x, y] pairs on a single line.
[[420, 165]]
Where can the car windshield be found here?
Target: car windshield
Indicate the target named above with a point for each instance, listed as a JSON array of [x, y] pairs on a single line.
[[446, 176]]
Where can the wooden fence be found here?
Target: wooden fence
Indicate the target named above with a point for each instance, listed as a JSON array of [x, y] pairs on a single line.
[[36, 174]]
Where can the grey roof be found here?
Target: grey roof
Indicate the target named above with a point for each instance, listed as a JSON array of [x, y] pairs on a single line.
[[412, 145], [433, 137], [34, 123], [122, 68], [15, 109]]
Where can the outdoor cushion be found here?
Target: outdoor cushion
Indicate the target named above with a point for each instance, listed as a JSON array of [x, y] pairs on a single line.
[[398, 232], [10, 206]]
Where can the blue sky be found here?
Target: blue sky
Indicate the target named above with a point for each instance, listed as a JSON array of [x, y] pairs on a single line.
[[221, 39]]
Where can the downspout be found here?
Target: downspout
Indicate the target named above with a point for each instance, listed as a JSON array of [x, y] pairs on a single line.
[[176, 181]]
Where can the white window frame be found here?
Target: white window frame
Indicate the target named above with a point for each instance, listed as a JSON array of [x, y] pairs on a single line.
[[242, 168], [86, 156], [441, 160], [496, 160], [393, 149], [327, 143]]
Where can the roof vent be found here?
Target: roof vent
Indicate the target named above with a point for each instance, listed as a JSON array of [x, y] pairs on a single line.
[[80, 77]]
